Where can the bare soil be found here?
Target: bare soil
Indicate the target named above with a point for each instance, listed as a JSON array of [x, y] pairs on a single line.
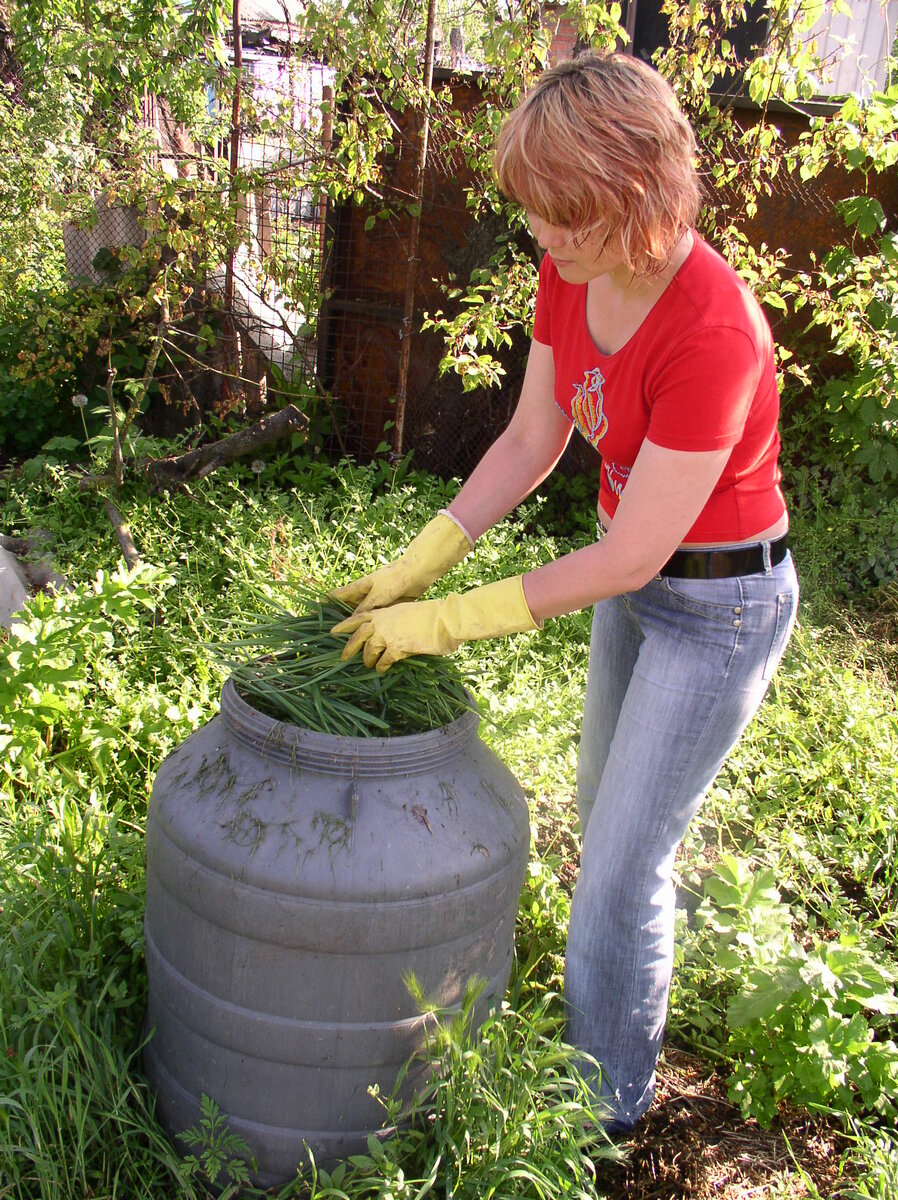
[[694, 1143]]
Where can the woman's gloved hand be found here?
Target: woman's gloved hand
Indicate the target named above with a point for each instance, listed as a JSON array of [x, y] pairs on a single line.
[[441, 544], [387, 635]]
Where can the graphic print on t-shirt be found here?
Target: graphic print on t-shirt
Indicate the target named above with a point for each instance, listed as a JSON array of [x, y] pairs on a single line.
[[617, 477], [587, 406]]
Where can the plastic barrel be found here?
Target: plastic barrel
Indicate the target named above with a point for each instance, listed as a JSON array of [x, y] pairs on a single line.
[[294, 882]]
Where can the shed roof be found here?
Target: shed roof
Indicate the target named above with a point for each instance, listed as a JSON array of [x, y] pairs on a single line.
[[273, 12]]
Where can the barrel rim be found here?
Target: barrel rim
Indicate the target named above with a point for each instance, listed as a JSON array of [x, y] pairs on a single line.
[[285, 742]]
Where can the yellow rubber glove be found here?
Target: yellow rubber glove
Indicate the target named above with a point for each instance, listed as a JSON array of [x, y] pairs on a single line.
[[387, 635], [438, 547]]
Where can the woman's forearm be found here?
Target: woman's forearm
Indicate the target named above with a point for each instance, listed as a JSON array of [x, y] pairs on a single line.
[[522, 456], [580, 579], [506, 474], [666, 491]]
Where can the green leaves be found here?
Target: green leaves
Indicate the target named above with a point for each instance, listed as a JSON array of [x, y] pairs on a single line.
[[803, 1023], [223, 1156], [504, 1113], [52, 659], [865, 212], [111, 52], [297, 675], [497, 301], [743, 910]]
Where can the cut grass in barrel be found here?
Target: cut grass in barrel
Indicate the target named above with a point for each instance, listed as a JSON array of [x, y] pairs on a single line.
[[289, 667]]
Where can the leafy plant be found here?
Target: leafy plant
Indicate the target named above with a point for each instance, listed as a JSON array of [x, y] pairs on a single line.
[[853, 297], [38, 371], [875, 1160], [506, 1114], [805, 1024], [855, 526], [50, 661], [485, 318], [741, 919], [31, 246], [544, 909], [811, 1029], [222, 1155]]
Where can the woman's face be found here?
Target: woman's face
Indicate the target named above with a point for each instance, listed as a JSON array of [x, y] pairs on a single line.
[[581, 258]]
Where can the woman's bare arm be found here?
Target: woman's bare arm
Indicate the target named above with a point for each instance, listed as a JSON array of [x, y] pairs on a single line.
[[522, 456], [665, 492]]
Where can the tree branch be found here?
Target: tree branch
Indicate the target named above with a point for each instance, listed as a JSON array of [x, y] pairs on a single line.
[[175, 471], [123, 533]]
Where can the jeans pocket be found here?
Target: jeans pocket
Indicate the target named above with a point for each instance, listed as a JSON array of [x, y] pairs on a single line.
[[717, 600], [785, 620]]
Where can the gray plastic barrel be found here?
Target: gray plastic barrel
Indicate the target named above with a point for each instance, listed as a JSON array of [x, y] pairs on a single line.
[[294, 881]]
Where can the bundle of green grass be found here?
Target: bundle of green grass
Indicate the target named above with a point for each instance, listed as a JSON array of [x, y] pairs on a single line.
[[289, 667]]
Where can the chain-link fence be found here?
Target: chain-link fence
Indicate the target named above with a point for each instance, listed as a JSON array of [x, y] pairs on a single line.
[[245, 335]]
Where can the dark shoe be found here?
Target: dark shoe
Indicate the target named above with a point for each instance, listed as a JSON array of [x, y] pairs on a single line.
[[608, 1132]]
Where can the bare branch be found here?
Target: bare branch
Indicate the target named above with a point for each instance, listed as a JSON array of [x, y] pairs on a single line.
[[175, 471]]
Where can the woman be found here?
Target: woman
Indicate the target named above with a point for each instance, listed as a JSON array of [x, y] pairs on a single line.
[[649, 345]]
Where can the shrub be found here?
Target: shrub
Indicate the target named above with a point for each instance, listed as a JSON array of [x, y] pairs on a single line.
[[803, 1023]]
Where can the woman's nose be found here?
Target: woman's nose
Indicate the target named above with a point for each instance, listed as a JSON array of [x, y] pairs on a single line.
[[548, 236], [552, 237]]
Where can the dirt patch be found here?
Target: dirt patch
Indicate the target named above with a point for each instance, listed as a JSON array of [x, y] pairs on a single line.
[[695, 1143]]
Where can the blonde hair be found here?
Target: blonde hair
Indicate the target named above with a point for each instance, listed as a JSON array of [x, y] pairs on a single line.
[[599, 145]]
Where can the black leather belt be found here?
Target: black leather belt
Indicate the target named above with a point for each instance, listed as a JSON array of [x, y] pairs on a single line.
[[722, 564]]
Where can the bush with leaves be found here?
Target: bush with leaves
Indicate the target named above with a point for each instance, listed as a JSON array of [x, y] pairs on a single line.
[[845, 528], [60, 656], [506, 1114], [852, 294], [804, 1023], [31, 248], [48, 354]]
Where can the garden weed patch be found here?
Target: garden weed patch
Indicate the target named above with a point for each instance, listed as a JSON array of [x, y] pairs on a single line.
[[105, 680]]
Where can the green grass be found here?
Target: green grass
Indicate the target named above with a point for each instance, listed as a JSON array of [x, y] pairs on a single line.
[[103, 683], [289, 666]]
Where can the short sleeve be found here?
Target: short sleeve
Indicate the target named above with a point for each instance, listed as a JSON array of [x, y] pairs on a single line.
[[542, 331], [701, 395]]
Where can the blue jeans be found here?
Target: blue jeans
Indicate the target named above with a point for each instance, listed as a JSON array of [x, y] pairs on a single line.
[[676, 672]]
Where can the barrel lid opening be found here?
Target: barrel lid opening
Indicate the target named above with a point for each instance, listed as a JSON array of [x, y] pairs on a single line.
[[280, 741]]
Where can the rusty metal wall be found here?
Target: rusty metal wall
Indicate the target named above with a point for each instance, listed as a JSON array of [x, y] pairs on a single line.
[[360, 326]]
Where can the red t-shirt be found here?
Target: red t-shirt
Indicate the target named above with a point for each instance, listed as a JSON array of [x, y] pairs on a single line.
[[698, 374]]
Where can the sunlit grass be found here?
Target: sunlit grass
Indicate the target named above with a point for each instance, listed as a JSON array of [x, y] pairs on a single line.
[[809, 793]]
